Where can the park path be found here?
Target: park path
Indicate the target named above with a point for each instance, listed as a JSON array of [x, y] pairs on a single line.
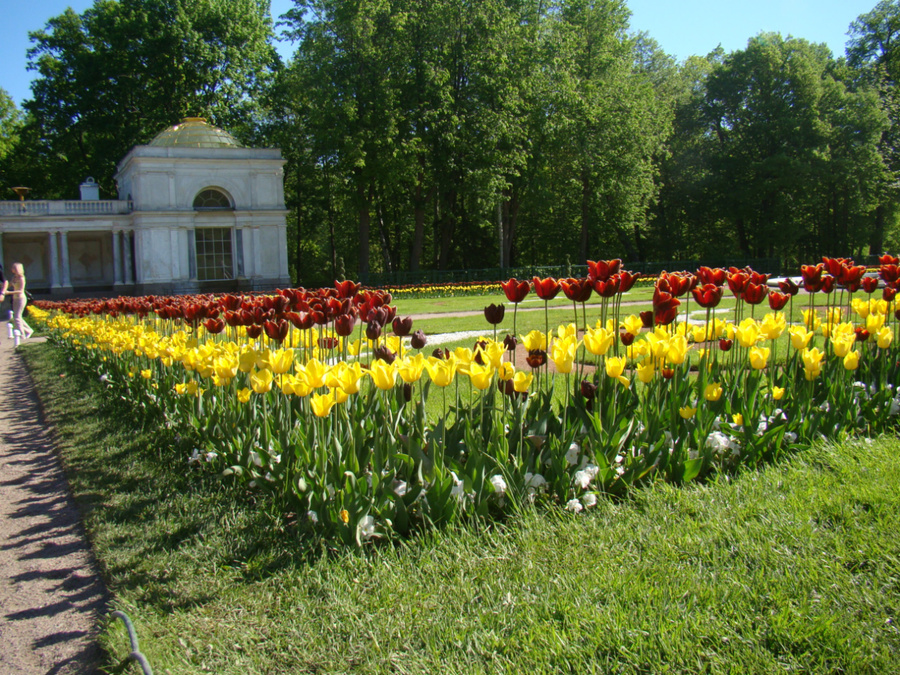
[[50, 594]]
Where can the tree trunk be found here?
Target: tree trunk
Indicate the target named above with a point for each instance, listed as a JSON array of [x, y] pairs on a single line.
[[876, 240], [585, 216], [365, 219]]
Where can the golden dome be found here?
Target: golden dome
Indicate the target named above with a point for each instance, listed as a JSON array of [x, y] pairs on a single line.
[[194, 132]]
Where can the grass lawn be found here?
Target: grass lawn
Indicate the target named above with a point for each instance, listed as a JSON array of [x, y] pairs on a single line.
[[795, 568]]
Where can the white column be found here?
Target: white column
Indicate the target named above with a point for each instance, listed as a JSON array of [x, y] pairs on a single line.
[[126, 254], [54, 261], [65, 282], [6, 271], [255, 254], [117, 257]]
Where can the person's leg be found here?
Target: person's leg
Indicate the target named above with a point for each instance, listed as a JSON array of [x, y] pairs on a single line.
[[18, 308]]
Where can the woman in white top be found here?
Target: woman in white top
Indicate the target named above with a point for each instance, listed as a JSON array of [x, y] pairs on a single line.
[[19, 299]]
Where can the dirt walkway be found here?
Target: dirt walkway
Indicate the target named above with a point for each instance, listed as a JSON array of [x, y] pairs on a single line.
[[50, 595]]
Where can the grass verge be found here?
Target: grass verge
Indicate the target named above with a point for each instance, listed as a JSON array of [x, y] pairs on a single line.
[[794, 568]]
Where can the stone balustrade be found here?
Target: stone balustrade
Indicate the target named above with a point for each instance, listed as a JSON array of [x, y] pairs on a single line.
[[74, 207]]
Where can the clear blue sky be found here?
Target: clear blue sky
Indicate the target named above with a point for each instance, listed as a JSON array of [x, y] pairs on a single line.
[[682, 27]]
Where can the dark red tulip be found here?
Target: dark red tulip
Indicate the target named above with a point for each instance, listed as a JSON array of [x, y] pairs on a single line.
[[301, 320], [827, 283], [442, 354], [888, 293], [869, 284], [418, 340], [861, 334], [328, 342], [494, 313], [667, 373], [708, 295], [546, 289], [725, 344], [373, 330], [536, 358], [253, 331], [515, 290], [510, 342], [889, 272], [385, 354], [577, 290], [277, 330], [788, 286], [628, 338], [344, 324], [402, 327], [737, 282], [646, 318], [665, 308], [346, 289], [214, 326]]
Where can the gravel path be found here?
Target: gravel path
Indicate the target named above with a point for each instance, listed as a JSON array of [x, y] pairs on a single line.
[[50, 594]]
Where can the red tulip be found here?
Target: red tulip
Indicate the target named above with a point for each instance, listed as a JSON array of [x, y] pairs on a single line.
[[546, 289], [888, 293], [494, 313], [402, 327], [888, 259], [754, 293], [707, 295], [577, 290], [665, 308], [628, 338], [626, 280], [602, 270], [715, 275], [725, 344], [608, 288], [253, 331], [214, 326], [889, 272], [812, 277], [737, 282], [777, 300], [515, 290], [536, 358], [788, 286], [870, 284], [346, 289]]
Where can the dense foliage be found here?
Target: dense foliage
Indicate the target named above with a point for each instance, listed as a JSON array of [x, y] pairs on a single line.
[[460, 134]]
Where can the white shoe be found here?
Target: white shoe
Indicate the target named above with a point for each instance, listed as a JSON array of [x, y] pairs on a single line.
[[10, 329]]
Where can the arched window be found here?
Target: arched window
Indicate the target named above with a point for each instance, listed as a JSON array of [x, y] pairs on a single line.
[[211, 199]]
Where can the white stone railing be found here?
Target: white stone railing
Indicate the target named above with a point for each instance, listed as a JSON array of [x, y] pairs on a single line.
[[74, 207]]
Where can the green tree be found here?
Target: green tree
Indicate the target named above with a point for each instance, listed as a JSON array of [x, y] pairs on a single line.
[[123, 70], [10, 128]]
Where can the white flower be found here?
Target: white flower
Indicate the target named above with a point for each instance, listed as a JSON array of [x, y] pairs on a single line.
[[589, 499], [366, 527], [499, 484], [210, 456], [790, 436], [584, 477], [104, 377], [574, 505], [458, 489], [195, 456], [270, 477], [534, 481], [400, 487], [572, 454], [313, 516], [255, 458], [895, 407]]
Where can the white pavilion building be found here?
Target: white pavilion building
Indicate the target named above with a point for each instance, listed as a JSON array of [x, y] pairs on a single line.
[[196, 212]]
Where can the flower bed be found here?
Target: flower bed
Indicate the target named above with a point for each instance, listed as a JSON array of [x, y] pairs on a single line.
[[333, 402]]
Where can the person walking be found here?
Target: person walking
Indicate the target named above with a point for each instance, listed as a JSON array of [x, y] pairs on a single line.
[[19, 300]]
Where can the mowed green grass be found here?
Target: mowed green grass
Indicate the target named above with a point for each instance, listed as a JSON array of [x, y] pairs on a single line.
[[795, 568]]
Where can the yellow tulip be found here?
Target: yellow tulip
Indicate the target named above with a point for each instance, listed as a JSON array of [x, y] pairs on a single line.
[[713, 391], [464, 356], [884, 337], [874, 323], [278, 361], [411, 367], [563, 332], [261, 381], [773, 325], [522, 380], [247, 360], [563, 354], [678, 349], [493, 353], [777, 393], [615, 366], [226, 367], [812, 362], [800, 337], [534, 340], [315, 373], [738, 419], [339, 395], [147, 374], [441, 371], [842, 344], [747, 333], [851, 360], [480, 376], [598, 341], [383, 374], [759, 357], [243, 395], [506, 371], [687, 412], [632, 324], [646, 371], [811, 319], [861, 307], [322, 404]]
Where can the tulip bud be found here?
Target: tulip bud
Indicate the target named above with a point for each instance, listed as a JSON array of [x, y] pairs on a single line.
[[373, 330], [402, 327], [725, 344], [385, 354], [494, 313], [418, 340], [510, 342], [626, 338]]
